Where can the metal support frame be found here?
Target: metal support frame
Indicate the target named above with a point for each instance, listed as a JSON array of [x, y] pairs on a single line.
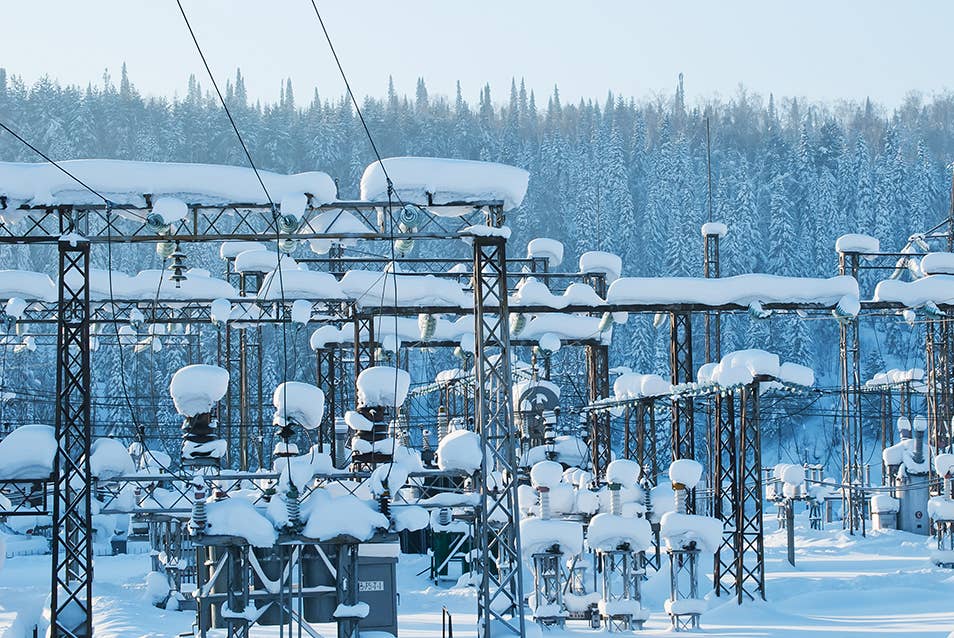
[[683, 419], [852, 441], [548, 587], [621, 582], [750, 560], [347, 585], [326, 375], [739, 566], [500, 599], [597, 387], [364, 347], [683, 584], [72, 573], [940, 366]]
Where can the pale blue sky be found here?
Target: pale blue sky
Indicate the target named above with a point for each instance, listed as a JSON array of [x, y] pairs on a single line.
[[807, 48]]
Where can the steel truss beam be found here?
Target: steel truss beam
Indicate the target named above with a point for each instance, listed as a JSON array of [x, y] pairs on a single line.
[[500, 599], [72, 582], [327, 363]]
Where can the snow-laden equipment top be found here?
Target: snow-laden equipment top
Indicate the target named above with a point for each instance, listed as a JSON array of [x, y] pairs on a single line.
[[944, 463], [35, 286], [434, 180], [300, 402], [738, 290], [633, 385], [539, 535], [714, 228], [196, 388], [198, 284], [626, 472], [546, 474], [329, 517], [125, 182], [607, 531], [682, 530], [931, 290], [938, 264], [857, 243], [545, 248], [236, 516], [28, 452], [599, 262], [383, 385]]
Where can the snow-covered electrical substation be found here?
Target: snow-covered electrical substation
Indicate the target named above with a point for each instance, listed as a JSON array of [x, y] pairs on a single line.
[[292, 507]]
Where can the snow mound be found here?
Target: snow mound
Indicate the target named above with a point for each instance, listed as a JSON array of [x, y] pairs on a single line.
[[632, 385], [609, 531], [599, 262], [857, 243], [375, 288], [196, 388], [429, 180], [300, 402], [28, 452], [936, 289], [714, 228], [459, 450], [544, 248], [232, 248], [330, 516], [383, 385], [944, 463], [682, 530], [236, 516], [262, 260], [109, 459], [884, 503]]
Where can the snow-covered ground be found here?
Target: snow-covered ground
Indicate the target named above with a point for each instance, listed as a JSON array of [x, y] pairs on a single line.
[[842, 586]]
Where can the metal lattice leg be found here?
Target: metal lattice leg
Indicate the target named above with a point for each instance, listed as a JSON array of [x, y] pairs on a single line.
[[72, 590], [597, 374], [683, 419]]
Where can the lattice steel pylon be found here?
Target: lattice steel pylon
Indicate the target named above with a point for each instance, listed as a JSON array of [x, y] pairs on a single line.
[[326, 373], [72, 575], [724, 493], [852, 442], [500, 599]]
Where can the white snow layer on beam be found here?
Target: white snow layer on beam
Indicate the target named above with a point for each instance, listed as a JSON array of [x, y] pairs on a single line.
[[303, 284], [125, 182], [372, 288], [34, 286], [937, 289], [446, 181], [233, 248], [531, 292], [738, 290], [263, 260], [938, 264], [198, 284], [632, 385]]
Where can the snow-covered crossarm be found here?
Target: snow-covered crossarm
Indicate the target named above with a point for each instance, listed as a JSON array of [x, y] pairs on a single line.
[[429, 181], [739, 291], [894, 378], [929, 292], [129, 182]]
